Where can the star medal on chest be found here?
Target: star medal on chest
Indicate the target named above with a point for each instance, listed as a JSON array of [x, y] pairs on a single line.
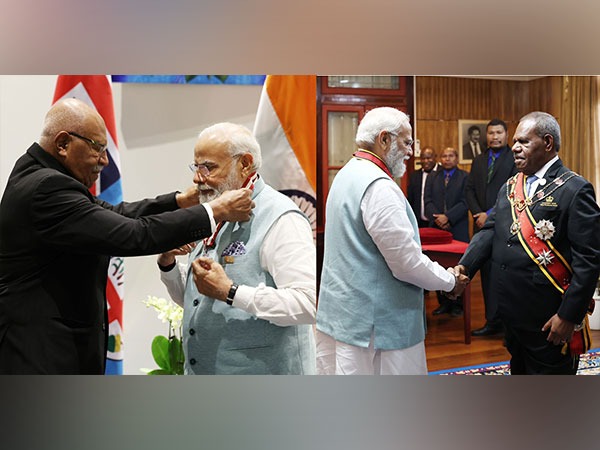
[[544, 230]]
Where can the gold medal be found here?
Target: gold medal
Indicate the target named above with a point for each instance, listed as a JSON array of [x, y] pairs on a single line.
[[515, 227], [229, 259]]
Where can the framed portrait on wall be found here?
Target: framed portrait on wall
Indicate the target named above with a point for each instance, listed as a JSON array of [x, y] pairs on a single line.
[[471, 139]]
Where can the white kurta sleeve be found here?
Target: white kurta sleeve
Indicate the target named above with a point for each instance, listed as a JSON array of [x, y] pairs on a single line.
[[288, 253], [174, 280], [384, 212]]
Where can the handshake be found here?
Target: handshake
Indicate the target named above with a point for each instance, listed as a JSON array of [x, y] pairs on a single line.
[[461, 282]]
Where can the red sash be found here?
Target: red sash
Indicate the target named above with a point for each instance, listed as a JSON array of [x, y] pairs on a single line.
[[556, 268], [558, 271], [370, 156]]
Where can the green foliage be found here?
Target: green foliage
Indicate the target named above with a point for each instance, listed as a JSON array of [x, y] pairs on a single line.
[[168, 355]]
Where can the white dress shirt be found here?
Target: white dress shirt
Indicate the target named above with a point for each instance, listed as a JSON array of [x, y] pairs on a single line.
[[289, 255], [540, 176], [385, 217]]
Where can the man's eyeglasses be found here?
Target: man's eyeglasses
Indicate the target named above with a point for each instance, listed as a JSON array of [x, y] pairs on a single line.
[[96, 146], [200, 168], [408, 143], [204, 169]]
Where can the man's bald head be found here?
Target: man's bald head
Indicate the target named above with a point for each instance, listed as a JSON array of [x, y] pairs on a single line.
[[75, 134], [70, 114]]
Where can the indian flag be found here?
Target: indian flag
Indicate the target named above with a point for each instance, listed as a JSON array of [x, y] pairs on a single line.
[[286, 129]]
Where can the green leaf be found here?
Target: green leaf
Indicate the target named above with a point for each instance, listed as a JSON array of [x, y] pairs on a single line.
[[159, 372], [160, 352], [176, 356]]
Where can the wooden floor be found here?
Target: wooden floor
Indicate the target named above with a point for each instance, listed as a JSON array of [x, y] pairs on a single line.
[[445, 345]]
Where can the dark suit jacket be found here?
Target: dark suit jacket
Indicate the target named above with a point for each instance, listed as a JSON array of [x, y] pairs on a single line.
[[55, 243], [414, 193], [480, 194], [526, 298], [450, 198]]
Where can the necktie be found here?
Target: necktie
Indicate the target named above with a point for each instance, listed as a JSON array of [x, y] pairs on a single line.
[[491, 166], [423, 216], [529, 182], [446, 179]]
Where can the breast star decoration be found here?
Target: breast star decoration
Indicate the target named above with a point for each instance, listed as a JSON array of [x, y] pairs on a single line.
[[544, 230], [545, 257]]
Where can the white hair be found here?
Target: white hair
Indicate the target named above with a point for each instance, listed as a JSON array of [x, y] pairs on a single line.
[[238, 140], [377, 120]]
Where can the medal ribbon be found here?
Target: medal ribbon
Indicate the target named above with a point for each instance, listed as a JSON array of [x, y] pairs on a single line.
[[558, 271], [209, 242], [370, 156]]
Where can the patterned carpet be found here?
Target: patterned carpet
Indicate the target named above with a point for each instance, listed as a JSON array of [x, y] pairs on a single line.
[[589, 364]]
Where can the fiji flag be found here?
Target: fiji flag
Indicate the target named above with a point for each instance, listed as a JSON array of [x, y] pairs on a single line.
[[285, 127], [95, 90]]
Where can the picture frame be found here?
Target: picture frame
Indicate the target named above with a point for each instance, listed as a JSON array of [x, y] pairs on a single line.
[[465, 151]]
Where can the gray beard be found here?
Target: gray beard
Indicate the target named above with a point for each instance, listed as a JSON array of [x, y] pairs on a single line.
[[228, 185], [395, 161]]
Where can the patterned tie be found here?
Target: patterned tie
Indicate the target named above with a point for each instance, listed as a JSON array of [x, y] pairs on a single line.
[[446, 179], [491, 166], [529, 183]]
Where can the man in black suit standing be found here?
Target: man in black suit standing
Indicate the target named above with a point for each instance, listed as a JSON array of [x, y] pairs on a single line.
[[56, 239], [472, 148], [542, 239], [446, 208], [416, 185], [489, 171]]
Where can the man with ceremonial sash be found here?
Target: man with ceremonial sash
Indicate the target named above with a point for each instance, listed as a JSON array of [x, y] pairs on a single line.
[[371, 313], [542, 239]]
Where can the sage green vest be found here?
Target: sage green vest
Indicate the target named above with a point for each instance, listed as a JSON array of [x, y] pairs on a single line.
[[222, 339], [359, 295]]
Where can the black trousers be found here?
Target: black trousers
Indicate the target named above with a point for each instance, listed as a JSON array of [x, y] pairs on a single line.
[[532, 354]]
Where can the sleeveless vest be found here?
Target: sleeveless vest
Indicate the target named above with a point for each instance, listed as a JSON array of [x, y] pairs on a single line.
[[222, 339], [359, 295]]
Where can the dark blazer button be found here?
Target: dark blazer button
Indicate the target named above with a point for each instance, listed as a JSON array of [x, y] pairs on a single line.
[[192, 361], [196, 302], [192, 331]]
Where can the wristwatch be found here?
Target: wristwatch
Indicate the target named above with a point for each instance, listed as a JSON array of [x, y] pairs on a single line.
[[231, 294]]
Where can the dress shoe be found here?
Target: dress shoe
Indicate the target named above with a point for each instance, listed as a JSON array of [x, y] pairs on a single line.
[[456, 311], [488, 329], [442, 309]]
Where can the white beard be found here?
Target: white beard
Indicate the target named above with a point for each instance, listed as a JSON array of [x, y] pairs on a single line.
[[395, 161], [229, 184]]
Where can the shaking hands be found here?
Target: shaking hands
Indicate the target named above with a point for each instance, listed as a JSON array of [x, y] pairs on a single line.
[[462, 280]]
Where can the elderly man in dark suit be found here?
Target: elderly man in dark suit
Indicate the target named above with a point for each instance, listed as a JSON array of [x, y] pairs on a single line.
[[56, 239], [542, 239], [416, 185], [489, 172]]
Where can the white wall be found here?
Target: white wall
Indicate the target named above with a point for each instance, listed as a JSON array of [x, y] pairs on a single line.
[[157, 126]]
